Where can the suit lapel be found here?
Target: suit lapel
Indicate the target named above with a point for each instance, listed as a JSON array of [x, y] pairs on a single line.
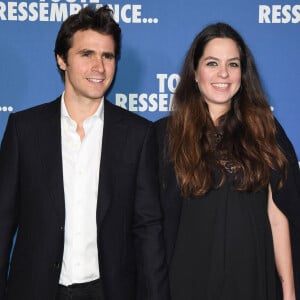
[[50, 145], [114, 137]]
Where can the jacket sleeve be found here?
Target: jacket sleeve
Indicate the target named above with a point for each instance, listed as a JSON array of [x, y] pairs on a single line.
[[149, 244], [8, 198], [288, 199]]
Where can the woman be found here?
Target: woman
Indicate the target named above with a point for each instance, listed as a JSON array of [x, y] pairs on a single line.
[[226, 166]]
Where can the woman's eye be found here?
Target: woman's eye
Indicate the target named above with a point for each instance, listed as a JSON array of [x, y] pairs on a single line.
[[211, 63], [234, 65]]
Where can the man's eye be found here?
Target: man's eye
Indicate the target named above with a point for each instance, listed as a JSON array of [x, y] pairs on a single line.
[[86, 54], [108, 56]]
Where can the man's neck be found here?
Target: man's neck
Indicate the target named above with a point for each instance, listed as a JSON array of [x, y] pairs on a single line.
[[80, 110]]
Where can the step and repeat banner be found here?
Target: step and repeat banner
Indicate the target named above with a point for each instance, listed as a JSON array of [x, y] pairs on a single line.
[[156, 36]]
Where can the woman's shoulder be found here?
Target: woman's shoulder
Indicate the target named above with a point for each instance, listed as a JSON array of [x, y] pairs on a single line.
[[287, 198], [284, 142]]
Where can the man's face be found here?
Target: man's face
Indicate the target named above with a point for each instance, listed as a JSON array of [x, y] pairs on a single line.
[[90, 66]]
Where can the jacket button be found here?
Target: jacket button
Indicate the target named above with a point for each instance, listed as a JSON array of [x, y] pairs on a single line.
[[56, 265]]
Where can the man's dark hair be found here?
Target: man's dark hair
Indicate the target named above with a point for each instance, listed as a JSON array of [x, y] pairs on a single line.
[[100, 20]]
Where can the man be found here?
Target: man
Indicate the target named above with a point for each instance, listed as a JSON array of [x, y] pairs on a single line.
[[78, 184]]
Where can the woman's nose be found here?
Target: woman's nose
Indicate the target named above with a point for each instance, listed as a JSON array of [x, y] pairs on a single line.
[[223, 72]]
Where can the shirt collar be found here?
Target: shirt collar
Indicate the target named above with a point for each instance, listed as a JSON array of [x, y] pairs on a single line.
[[99, 113]]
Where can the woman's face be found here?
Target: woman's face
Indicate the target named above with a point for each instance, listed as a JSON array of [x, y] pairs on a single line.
[[219, 74]]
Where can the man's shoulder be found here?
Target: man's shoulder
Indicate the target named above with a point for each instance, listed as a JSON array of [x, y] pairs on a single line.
[[161, 124], [40, 109], [127, 116]]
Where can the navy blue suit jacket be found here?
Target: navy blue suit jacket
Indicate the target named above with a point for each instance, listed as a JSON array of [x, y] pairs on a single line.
[[130, 245]]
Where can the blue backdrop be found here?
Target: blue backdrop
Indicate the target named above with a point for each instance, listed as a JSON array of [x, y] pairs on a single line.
[[156, 35]]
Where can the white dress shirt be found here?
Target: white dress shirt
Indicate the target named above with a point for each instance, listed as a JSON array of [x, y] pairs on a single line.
[[81, 166]]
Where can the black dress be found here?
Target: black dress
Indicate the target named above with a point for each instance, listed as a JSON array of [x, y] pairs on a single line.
[[219, 246], [224, 248]]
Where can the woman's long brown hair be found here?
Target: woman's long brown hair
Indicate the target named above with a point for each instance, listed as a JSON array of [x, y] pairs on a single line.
[[249, 131]]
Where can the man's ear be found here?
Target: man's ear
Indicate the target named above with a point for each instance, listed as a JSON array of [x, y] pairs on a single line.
[[61, 63]]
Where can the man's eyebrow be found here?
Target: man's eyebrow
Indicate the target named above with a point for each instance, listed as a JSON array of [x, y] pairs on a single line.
[[85, 51], [108, 53]]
